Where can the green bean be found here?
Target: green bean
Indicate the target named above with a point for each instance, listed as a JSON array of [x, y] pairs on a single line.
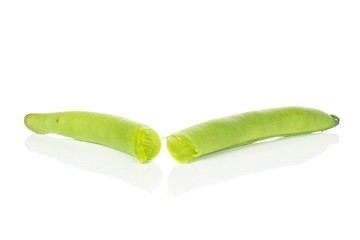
[[246, 128], [119, 133]]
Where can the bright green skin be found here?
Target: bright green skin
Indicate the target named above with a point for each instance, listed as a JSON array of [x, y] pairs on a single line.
[[246, 128], [119, 133]]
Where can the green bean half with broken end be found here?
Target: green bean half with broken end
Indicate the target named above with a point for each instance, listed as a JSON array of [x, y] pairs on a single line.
[[246, 128], [122, 134]]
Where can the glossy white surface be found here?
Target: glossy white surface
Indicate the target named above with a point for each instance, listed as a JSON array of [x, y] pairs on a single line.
[[171, 65]]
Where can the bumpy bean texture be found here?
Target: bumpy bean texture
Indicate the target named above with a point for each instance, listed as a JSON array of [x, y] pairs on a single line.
[[119, 133], [246, 128]]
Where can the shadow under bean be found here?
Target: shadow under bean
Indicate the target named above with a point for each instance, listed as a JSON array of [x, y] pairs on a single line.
[[97, 158], [254, 158]]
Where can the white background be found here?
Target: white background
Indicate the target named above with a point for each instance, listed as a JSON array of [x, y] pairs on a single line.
[[171, 64]]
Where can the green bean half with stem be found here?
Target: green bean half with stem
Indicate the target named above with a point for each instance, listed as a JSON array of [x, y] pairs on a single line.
[[246, 128]]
